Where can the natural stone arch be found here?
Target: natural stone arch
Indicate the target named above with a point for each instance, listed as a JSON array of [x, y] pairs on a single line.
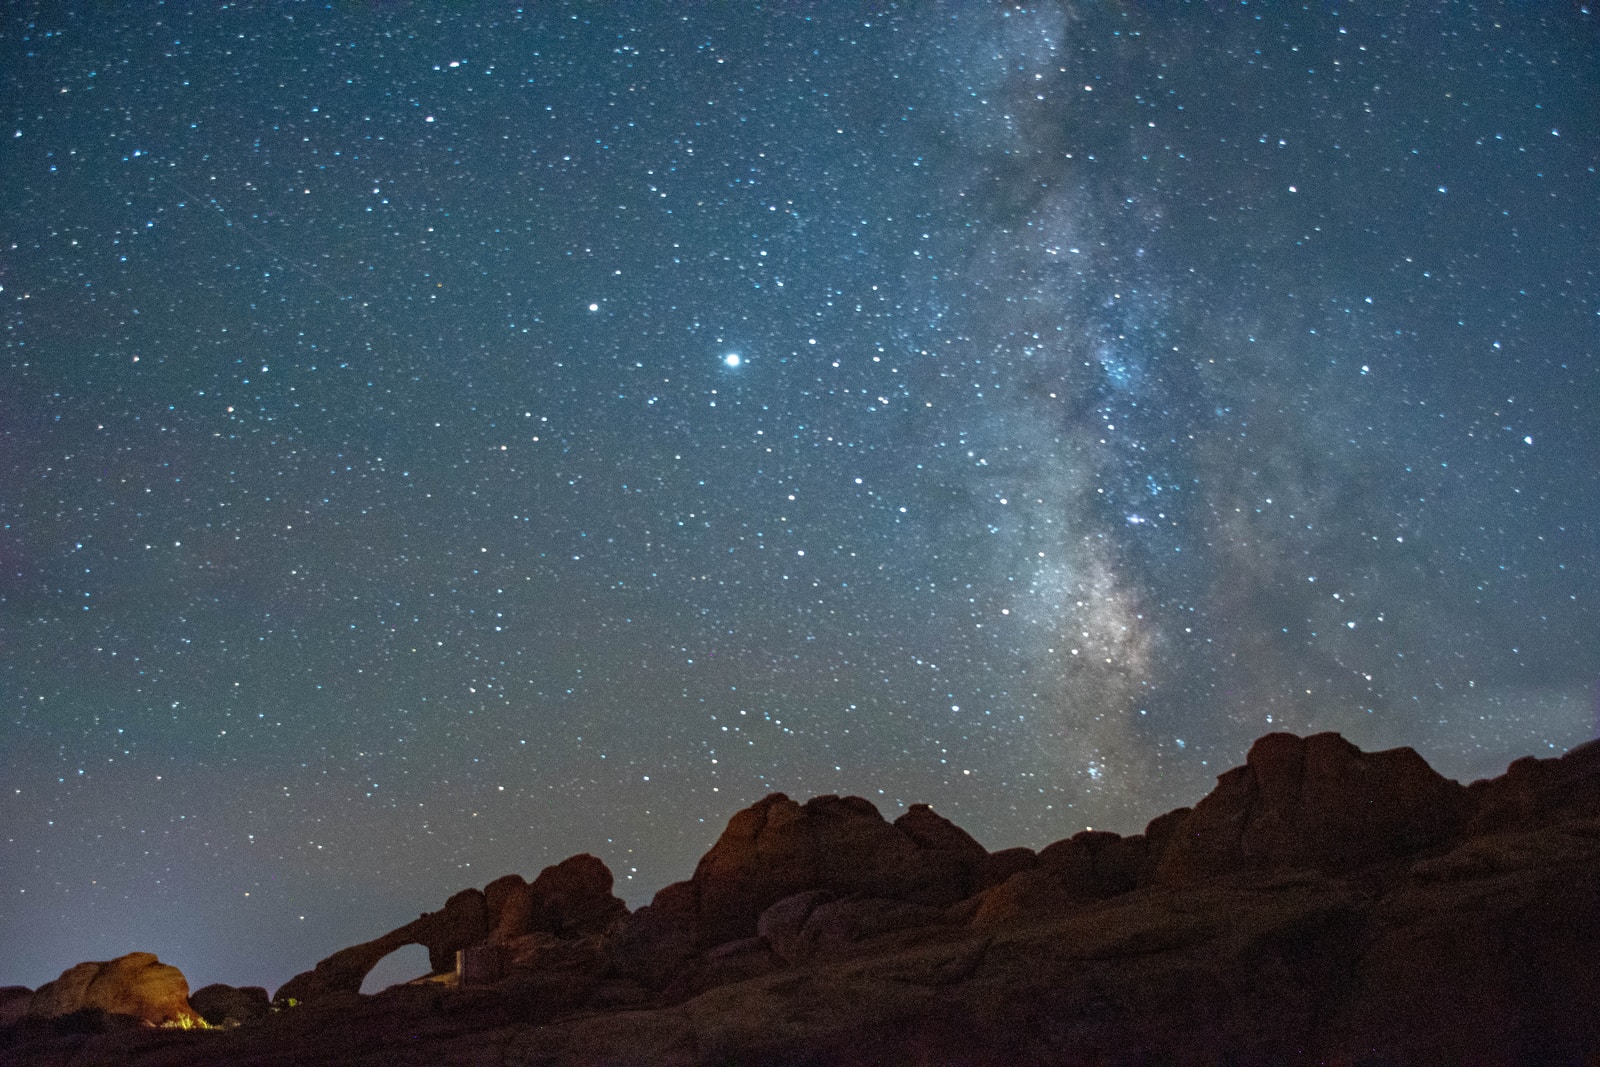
[[570, 899], [400, 966], [463, 921]]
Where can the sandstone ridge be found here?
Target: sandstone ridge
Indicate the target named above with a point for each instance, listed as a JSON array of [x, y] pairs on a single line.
[[1320, 904]]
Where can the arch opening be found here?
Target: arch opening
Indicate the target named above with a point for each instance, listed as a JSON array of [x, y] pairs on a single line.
[[401, 965]]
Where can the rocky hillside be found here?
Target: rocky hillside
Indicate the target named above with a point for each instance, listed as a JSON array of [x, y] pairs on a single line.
[[1320, 905]]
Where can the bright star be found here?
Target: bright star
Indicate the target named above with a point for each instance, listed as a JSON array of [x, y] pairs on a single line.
[[732, 359]]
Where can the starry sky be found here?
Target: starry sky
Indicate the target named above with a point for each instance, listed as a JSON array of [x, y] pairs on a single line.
[[437, 441]]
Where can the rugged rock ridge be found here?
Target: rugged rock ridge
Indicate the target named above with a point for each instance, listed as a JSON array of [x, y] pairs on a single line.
[[833, 855], [1319, 803], [1321, 903], [572, 897]]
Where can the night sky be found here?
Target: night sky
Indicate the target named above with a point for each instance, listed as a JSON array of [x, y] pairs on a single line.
[[437, 442]]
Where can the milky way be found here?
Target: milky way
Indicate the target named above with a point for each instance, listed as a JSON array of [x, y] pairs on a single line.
[[435, 443]]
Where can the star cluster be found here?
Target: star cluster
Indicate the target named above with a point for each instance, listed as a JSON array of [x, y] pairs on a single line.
[[437, 441]]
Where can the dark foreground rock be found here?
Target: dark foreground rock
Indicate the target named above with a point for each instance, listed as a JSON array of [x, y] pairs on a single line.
[[1321, 905], [226, 1005]]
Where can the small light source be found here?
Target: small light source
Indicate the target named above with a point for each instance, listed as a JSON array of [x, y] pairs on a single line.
[[732, 359]]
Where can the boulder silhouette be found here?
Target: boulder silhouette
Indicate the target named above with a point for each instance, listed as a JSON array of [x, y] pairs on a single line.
[[571, 897], [1317, 802], [226, 1005], [777, 848]]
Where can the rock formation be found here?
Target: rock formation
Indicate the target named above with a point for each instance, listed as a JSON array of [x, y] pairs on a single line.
[[462, 922], [572, 896], [136, 985], [832, 846], [1316, 803], [226, 1005], [1321, 904]]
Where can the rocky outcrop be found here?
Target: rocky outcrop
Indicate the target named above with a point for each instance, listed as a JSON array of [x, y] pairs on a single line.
[[569, 898], [1317, 802], [137, 985], [226, 1005], [572, 897], [837, 846], [1533, 792], [1322, 904], [461, 923]]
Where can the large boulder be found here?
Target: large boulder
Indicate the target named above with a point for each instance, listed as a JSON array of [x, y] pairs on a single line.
[[1317, 803], [137, 985], [506, 901], [13, 994], [226, 1005], [999, 866], [780, 926], [834, 847], [655, 942], [571, 898], [935, 834], [1028, 895], [548, 974], [1535, 792], [777, 848], [814, 924], [838, 927], [1484, 954], [1094, 864]]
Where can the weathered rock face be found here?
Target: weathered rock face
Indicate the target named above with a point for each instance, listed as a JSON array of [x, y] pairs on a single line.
[[572, 897], [226, 1005], [1534, 792], [655, 942], [137, 985], [1321, 905], [1317, 802], [780, 926], [1095, 864], [839, 844], [998, 866]]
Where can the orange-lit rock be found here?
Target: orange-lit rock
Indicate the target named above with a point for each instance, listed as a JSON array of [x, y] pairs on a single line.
[[136, 985]]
